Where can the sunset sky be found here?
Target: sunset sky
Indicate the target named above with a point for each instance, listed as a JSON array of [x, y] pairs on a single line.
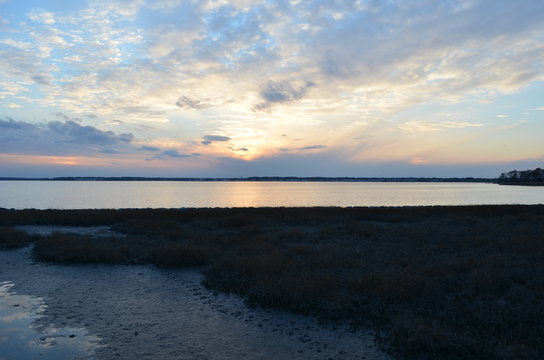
[[264, 88]]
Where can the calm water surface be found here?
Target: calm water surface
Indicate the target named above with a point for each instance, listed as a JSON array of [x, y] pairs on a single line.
[[21, 337], [174, 194]]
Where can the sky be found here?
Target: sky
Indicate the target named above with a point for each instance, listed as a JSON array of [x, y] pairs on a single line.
[[182, 88]]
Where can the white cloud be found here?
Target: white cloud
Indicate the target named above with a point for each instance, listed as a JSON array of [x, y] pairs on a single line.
[[419, 126], [11, 89], [42, 16], [73, 59], [17, 44], [165, 4]]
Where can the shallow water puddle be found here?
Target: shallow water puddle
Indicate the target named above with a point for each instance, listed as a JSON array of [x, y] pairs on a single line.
[[21, 338]]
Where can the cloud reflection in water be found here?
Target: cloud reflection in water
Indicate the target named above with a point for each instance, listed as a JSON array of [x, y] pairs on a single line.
[[22, 337]]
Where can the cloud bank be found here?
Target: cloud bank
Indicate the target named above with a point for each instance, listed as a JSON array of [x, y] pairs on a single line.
[[147, 78]]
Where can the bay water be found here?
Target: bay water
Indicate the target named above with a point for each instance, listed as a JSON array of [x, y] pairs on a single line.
[[200, 194]]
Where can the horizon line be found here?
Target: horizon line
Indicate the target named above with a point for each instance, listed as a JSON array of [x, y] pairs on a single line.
[[257, 178]]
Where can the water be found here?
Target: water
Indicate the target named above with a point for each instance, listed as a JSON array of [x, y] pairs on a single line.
[[23, 337], [175, 194]]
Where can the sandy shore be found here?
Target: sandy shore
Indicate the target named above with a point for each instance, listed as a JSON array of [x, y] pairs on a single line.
[[142, 312]]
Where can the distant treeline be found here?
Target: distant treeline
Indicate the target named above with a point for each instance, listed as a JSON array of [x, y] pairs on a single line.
[[525, 177], [262, 178]]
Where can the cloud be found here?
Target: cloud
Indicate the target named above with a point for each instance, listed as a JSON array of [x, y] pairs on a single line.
[[329, 64], [354, 51], [165, 4], [65, 117], [418, 126], [42, 79], [304, 148], [59, 138], [149, 148], [282, 92], [110, 151], [186, 103], [208, 139], [337, 66], [314, 147], [216, 138], [172, 153], [11, 124], [88, 134], [21, 62], [42, 16]]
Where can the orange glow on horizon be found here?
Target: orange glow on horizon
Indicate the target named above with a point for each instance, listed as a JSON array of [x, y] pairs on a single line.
[[42, 159]]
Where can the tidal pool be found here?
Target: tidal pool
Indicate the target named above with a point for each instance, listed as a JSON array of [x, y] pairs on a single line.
[[23, 337]]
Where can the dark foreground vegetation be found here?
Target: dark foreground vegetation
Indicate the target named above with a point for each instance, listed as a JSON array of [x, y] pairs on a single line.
[[434, 282]]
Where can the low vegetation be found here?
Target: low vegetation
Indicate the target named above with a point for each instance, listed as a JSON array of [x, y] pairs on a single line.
[[12, 239], [434, 282]]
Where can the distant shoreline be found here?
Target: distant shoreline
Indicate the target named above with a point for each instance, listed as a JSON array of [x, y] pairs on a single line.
[[261, 178], [498, 181]]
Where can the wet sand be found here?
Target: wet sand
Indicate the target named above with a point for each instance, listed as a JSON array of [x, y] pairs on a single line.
[[129, 312]]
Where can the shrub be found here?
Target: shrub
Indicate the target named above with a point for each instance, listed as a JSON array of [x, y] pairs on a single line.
[[70, 249], [182, 255], [396, 286], [13, 239]]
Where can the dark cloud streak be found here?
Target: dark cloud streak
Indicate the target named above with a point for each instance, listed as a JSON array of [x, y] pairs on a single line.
[[149, 148], [59, 138], [88, 134], [314, 147], [208, 139], [282, 92], [185, 102], [11, 124], [172, 153]]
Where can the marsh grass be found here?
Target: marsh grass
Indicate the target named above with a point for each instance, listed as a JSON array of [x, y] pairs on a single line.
[[11, 238], [434, 282], [182, 255], [79, 249]]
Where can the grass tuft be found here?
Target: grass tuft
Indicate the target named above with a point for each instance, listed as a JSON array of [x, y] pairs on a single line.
[[77, 249], [182, 255], [11, 238]]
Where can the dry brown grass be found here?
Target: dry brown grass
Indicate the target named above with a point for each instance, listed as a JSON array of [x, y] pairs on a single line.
[[13, 239], [75, 249]]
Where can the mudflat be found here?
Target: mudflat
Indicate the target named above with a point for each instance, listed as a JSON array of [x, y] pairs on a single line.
[[142, 312]]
